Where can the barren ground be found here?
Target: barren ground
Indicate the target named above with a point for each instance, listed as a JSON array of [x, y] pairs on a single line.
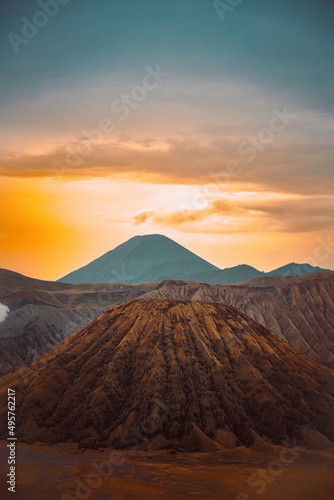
[[48, 472]]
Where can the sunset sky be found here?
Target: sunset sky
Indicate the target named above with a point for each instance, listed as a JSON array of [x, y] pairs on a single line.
[[127, 118]]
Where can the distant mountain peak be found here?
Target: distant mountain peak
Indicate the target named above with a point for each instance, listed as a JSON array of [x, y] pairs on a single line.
[[155, 257], [146, 258], [151, 236], [295, 269]]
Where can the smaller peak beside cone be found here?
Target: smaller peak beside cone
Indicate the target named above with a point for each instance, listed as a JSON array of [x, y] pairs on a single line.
[[296, 269]]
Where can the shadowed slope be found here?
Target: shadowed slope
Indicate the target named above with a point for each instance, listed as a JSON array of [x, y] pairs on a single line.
[[43, 313]]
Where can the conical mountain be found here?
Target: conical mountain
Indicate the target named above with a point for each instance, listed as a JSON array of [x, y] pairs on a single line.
[[172, 373], [141, 259]]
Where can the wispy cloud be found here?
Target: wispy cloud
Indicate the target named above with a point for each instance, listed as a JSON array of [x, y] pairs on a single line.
[[299, 169], [306, 214], [142, 216]]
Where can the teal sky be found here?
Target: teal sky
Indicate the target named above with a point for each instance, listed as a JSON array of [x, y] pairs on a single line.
[[282, 45]]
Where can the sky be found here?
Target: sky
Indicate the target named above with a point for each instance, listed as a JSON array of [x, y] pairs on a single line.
[[209, 122]]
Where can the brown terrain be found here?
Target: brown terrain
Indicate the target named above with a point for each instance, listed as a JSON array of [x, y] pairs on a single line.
[[43, 313], [299, 309], [184, 375], [60, 472]]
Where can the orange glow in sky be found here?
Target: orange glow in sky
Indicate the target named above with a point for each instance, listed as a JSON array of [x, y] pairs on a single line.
[[50, 227]]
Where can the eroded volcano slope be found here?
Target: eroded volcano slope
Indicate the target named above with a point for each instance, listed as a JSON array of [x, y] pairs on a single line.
[[171, 372]]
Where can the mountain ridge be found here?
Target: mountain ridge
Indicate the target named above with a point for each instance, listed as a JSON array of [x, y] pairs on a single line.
[[152, 258], [299, 309]]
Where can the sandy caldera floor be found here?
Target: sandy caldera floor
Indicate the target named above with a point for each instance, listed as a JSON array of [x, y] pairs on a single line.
[[60, 472]]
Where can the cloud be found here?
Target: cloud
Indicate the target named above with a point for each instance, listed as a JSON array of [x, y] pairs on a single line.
[[183, 216], [191, 134], [4, 310], [289, 168], [301, 215], [217, 216], [305, 214], [142, 216]]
